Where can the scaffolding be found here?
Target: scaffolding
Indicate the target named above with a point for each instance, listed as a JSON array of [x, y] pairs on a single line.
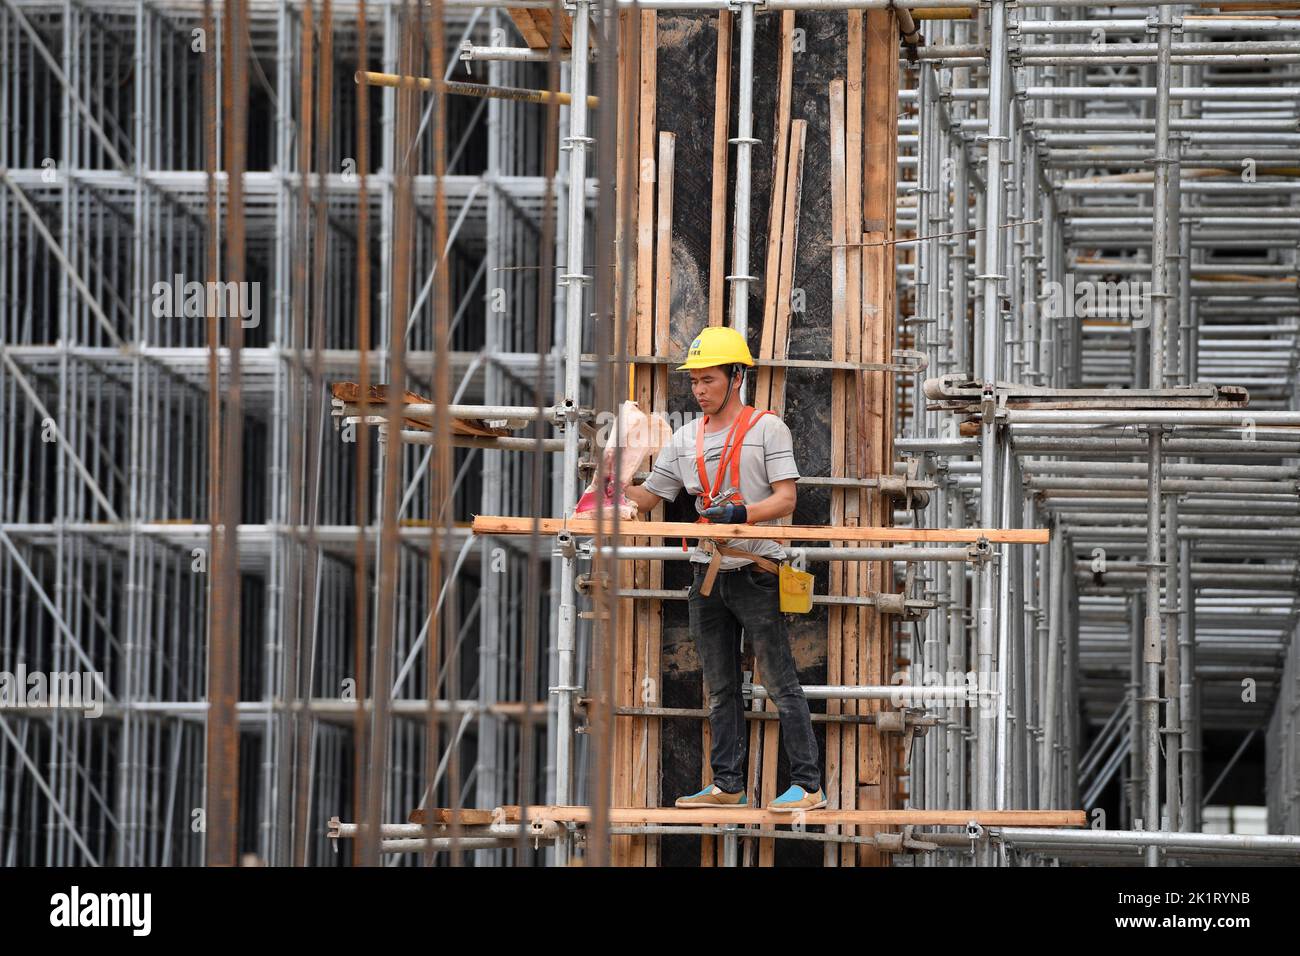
[[281, 593]]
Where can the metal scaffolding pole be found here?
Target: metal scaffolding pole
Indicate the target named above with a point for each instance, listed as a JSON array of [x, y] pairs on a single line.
[[990, 314]]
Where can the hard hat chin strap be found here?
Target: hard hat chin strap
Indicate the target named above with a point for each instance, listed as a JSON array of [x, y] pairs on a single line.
[[733, 370]]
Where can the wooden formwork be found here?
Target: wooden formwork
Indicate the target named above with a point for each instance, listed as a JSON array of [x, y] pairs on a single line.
[[829, 114]]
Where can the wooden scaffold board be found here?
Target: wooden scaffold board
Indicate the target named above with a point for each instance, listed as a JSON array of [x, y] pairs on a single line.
[[586, 527], [633, 816]]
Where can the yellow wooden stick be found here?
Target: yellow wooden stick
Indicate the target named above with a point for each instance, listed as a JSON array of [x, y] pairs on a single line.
[[468, 89]]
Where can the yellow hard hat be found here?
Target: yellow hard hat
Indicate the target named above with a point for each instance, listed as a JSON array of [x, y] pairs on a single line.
[[717, 345]]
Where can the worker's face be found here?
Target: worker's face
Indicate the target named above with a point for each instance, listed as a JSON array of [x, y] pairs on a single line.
[[710, 386]]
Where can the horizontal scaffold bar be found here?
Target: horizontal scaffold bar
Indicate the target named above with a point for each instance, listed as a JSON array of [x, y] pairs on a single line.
[[586, 527], [635, 815], [916, 364]]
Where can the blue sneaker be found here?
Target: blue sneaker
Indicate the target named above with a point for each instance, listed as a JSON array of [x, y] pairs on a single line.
[[713, 796], [797, 798]]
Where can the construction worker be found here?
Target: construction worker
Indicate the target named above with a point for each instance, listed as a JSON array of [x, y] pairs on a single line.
[[740, 465]]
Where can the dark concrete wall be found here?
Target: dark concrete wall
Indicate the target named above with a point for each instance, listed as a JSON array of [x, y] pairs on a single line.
[[687, 57]]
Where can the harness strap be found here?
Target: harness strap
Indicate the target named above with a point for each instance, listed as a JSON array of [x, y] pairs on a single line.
[[729, 460], [735, 453], [739, 425], [715, 562]]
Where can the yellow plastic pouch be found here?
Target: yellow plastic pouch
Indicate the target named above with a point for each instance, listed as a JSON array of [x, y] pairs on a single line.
[[796, 590]]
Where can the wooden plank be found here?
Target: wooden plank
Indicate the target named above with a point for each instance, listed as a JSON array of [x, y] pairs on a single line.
[[649, 633], [652, 694], [1267, 6], [566, 30], [854, 623], [523, 19], [839, 252], [624, 694], [836, 734], [663, 260], [631, 739], [709, 847], [853, 196], [771, 741], [629, 100], [878, 754], [789, 247], [542, 20], [640, 89], [776, 212], [886, 38], [765, 743], [721, 127], [646, 178], [944, 13], [442, 816], [623, 851], [754, 769], [842, 620], [857, 621], [376, 403], [631, 816], [586, 527], [878, 148], [537, 24]]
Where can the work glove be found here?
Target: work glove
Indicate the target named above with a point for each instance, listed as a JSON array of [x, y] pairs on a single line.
[[726, 514]]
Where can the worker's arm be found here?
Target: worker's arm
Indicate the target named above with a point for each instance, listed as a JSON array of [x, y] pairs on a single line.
[[776, 505], [646, 501]]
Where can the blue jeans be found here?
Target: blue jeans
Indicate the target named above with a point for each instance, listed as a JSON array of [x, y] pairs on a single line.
[[749, 599]]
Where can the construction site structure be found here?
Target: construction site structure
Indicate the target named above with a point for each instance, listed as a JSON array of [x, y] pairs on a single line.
[[317, 317]]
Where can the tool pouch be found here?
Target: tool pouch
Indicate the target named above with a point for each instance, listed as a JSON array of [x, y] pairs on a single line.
[[796, 590]]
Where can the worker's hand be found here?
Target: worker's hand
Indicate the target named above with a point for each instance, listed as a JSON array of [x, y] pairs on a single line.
[[726, 514]]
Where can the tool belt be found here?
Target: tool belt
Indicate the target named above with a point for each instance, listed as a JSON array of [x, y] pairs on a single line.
[[718, 551]]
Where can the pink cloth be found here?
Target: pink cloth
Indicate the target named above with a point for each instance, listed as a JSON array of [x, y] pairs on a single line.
[[640, 436]]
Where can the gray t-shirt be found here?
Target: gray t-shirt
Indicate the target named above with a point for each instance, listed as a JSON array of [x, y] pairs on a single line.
[[766, 456]]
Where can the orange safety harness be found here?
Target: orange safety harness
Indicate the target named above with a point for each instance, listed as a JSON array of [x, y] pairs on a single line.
[[730, 458], [713, 493]]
